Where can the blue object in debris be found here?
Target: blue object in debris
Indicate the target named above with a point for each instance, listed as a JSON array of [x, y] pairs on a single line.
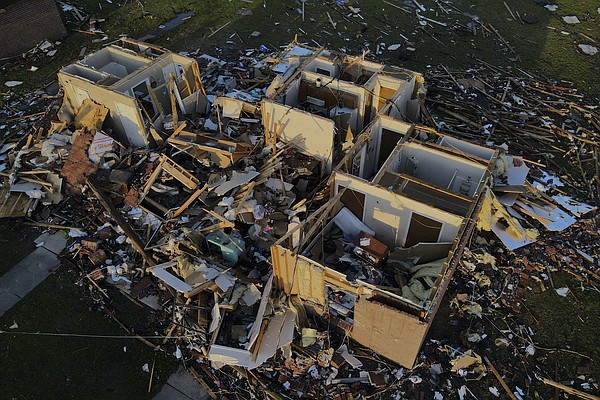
[[232, 245]]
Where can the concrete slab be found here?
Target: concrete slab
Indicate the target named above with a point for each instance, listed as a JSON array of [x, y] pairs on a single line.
[[181, 386], [7, 300], [55, 242], [29, 272], [25, 276]]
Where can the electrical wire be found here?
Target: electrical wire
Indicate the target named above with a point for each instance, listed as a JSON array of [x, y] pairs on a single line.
[[86, 335]]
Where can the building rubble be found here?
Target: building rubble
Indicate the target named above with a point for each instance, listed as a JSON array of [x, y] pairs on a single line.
[[292, 222]]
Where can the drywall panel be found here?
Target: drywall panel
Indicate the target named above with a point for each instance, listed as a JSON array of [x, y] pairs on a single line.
[[75, 89], [127, 60], [389, 214], [128, 116], [279, 333], [388, 331], [323, 67], [153, 74], [368, 154], [467, 148], [401, 99], [337, 85], [443, 170], [292, 93], [310, 133]]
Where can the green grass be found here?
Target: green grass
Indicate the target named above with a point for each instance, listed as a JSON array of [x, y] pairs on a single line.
[[540, 47], [565, 323], [42, 367], [16, 242]]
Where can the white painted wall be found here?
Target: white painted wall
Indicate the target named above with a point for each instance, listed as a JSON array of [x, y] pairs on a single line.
[[466, 147], [389, 213], [128, 129], [346, 87], [292, 93], [438, 168]]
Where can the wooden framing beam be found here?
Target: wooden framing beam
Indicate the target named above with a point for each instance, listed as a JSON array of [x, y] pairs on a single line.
[[189, 201], [136, 241]]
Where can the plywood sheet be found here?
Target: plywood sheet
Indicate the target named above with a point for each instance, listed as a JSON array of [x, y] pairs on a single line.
[[309, 281], [310, 133], [390, 332]]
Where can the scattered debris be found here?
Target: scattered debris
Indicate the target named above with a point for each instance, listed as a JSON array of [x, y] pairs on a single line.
[[292, 225]]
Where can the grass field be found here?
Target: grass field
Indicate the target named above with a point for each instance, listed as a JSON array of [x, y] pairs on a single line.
[[547, 47], [71, 367]]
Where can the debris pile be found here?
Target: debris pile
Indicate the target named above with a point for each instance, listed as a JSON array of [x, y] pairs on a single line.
[[554, 125], [274, 208]]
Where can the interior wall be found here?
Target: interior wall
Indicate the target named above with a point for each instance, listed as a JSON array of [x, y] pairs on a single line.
[[310, 133], [372, 149], [85, 72], [439, 168], [352, 91], [323, 65], [154, 73], [131, 62], [129, 130], [391, 124], [292, 93], [466, 147], [369, 152], [389, 214]]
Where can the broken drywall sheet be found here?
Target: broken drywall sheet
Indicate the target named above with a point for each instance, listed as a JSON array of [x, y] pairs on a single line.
[[350, 224], [236, 180], [552, 217], [510, 171], [171, 279], [262, 309], [251, 295], [232, 108], [225, 281], [287, 60], [574, 206], [279, 333], [33, 190], [278, 184], [350, 359], [495, 217], [216, 318]]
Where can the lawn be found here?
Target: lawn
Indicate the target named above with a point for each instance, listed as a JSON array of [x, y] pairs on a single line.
[[543, 43], [71, 367]]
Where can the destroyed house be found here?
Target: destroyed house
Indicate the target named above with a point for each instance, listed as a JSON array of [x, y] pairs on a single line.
[[378, 257], [321, 99], [144, 87]]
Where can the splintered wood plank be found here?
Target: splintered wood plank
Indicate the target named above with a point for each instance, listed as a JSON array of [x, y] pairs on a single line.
[[189, 201]]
